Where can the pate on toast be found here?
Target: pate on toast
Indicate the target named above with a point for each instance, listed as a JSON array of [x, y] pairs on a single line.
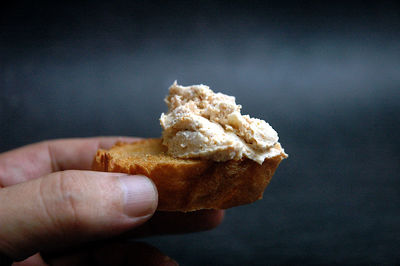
[[190, 184]]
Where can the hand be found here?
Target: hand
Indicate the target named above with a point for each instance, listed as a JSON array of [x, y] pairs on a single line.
[[53, 209]]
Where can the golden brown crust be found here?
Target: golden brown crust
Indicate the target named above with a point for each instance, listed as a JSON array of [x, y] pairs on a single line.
[[189, 184]]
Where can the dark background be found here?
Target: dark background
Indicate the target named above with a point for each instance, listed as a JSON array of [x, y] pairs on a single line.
[[325, 75]]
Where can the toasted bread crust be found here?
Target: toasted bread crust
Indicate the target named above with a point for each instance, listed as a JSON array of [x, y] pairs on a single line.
[[189, 184]]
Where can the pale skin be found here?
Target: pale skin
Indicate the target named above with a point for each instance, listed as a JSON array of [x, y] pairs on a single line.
[[54, 210]]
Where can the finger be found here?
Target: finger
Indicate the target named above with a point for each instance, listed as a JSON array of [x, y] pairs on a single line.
[[35, 260], [71, 207], [127, 253], [43, 158], [178, 223]]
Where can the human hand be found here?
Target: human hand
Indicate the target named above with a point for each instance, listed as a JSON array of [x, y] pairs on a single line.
[[53, 209]]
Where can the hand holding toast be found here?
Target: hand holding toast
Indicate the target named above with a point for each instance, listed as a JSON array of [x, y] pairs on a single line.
[[50, 203]]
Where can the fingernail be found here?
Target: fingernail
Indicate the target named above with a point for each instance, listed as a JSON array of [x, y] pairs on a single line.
[[140, 195]]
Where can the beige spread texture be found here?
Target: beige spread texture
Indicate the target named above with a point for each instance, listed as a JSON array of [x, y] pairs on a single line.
[[203, 124]]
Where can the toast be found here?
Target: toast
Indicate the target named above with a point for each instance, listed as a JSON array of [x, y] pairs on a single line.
[[190, 184]]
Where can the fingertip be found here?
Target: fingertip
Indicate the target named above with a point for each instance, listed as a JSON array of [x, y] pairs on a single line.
[[210, 219], [218, 218]]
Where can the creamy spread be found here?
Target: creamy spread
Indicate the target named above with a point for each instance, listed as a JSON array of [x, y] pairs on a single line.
[[203, 124]]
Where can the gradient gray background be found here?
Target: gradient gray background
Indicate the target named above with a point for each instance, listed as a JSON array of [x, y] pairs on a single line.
[[326, 76]]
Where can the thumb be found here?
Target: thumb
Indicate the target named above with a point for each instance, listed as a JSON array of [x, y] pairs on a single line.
[[71, 207]]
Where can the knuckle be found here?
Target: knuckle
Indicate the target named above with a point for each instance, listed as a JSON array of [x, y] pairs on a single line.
[[79, 204], [69, 199], [62, 206]]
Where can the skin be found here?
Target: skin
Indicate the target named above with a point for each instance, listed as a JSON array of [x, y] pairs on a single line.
[[54, 210]]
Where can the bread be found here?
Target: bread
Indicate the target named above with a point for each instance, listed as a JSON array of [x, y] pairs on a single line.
[[190, 184]]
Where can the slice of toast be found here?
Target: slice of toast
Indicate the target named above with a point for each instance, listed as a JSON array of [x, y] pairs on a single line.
[[190, 184]]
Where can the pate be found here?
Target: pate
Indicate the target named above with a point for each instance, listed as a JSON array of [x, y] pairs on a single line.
[[203, 124]]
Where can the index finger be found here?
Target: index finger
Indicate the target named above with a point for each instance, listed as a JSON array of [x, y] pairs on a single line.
[[163, 223], [35, 160]]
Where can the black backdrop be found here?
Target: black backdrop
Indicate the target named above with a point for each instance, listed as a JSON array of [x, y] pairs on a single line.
[[326, 76]]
